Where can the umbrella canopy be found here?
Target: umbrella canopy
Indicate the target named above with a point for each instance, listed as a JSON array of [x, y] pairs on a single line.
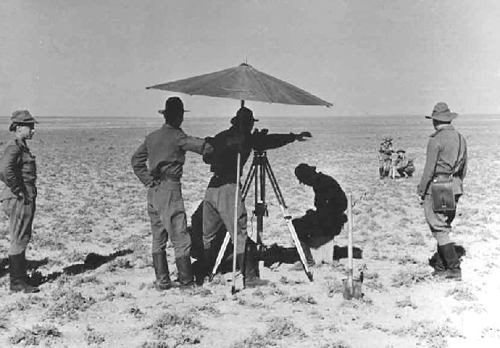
[[244, 83]]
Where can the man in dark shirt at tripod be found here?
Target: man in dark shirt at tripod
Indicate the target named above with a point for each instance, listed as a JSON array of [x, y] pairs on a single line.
[[219, 203]]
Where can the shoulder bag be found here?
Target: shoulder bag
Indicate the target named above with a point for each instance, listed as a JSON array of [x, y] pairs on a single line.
[[443, 194]]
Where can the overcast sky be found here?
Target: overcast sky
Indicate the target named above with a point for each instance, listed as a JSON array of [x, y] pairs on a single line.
[[95, 57]]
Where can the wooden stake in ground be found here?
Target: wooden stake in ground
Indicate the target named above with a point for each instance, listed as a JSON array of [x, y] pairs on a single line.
[[349, 244]]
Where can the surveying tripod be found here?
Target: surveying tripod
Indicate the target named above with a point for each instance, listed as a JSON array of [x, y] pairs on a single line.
[[259, 169]]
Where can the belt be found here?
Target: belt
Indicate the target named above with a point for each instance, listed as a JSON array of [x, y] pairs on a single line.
[[442, 175], [171, 178]]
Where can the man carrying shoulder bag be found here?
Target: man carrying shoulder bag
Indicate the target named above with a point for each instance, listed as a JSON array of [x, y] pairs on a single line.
[[441, 186]]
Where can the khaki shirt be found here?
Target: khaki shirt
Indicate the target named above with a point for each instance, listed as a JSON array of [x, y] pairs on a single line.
[[442, 154], [165, 148], [18, 169]]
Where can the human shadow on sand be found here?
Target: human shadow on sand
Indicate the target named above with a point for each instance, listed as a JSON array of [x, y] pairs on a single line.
[[92, 261]]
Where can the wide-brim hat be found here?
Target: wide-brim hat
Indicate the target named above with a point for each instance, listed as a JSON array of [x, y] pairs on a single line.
[[243, 116], [22, 116], [173, 104], [442, 113]]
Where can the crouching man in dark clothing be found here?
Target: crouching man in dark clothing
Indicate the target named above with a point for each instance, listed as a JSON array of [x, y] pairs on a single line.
[[328, 218], [220, 195]]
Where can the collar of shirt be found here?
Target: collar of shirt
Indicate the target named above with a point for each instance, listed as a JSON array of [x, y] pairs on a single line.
[[22, 144], [442, 127], [166, 125]]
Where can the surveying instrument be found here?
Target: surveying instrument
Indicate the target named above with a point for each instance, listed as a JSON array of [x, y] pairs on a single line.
[[259, 172]]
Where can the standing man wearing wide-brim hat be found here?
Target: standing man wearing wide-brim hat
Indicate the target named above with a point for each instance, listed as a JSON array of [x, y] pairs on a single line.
[[446, 156], [165, 152], [219, 207], [18, 172]]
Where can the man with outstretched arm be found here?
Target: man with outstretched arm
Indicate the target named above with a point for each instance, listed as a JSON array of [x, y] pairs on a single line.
[[220, 195]]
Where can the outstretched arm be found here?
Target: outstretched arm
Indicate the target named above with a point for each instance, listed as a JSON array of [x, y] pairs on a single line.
[[264, 141], [194, 144]]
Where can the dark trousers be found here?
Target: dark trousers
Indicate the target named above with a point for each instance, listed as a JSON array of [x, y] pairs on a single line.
[[312, 225]]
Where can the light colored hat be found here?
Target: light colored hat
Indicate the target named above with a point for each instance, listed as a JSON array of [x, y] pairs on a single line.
[[442, 113], [22, 116]]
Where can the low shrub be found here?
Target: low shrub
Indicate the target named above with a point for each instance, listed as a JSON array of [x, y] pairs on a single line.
[[36, 335]]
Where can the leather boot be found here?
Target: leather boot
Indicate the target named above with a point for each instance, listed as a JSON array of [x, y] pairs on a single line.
[[452, 262], [185, 269], [202, 268], [440, 269], [250, 268], [160, 264], [18, 276]]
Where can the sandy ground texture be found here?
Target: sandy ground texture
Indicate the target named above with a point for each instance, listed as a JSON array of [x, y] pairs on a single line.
[[91, 246]]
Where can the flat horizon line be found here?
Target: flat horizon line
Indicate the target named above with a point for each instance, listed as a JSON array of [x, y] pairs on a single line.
[[293, 116]]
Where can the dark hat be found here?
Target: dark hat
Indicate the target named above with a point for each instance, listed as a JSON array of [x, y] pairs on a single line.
[[401, 150], [243, 115], [303, 170], [173, 104], [442, 113], [22, 116]]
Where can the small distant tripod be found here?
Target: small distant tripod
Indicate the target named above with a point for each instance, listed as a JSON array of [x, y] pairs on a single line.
[[259, 169]]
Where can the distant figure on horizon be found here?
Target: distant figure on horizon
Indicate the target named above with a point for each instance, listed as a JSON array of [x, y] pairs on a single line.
[[385, 152], [404, 165], [18, 198], [165, 150], [446, 158]]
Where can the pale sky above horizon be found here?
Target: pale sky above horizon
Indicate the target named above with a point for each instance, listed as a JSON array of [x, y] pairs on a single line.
[[95, 57]]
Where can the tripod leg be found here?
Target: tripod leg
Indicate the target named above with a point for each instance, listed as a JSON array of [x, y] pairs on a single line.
[[222, 251], [288, 220], [296, 241]]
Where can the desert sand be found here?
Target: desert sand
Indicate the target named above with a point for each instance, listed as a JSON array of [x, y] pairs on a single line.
[[91, 246]]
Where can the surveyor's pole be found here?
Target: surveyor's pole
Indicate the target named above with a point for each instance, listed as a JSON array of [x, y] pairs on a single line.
[[349, 243]]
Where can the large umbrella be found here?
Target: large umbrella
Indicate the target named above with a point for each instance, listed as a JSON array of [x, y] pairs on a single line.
[[243, 83], [246, 83]]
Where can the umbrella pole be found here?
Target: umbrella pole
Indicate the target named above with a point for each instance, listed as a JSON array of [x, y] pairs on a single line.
[[235, 231]]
